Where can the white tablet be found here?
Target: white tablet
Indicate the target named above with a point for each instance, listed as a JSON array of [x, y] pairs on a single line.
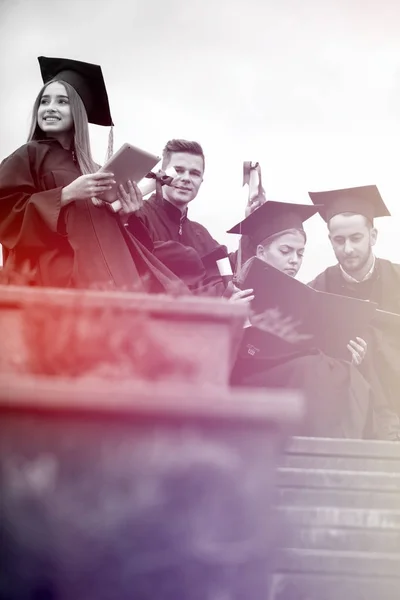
[[128, 163]]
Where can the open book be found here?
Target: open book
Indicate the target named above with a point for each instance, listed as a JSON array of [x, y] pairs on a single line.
[[289, 316]]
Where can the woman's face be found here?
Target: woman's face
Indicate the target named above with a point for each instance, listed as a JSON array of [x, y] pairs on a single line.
[[284, 253], [54, 113]]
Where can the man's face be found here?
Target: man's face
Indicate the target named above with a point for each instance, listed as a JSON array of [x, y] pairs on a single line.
[[189, 176], [352, 241]]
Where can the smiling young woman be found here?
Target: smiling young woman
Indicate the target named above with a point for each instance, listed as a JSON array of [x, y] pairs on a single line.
[[48, 221], [54, 115]]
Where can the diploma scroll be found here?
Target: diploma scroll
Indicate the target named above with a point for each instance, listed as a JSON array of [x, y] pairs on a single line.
[[252, 177], [225, 270]]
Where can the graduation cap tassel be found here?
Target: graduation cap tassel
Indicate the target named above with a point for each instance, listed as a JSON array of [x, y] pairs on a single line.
[[110, 146], [238, 265]]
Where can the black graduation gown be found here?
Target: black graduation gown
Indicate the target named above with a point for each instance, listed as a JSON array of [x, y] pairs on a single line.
[[184, 244], [382, 363], [337, 397], [78, 245]]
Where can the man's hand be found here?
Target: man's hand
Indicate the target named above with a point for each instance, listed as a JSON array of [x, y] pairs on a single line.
[[131, 200], [358, 350]]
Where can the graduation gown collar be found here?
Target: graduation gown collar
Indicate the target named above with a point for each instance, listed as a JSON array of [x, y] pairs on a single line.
[[174, 213], [51, 140]]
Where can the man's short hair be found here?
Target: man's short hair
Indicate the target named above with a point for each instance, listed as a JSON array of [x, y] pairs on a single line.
[[368, 222], [182, 146]]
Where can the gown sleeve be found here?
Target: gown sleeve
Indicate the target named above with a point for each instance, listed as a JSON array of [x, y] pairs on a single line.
[[28, 215]]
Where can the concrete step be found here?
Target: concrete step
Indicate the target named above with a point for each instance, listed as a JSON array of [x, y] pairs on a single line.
[[338, 498], [339, 518], [299, 586], [327, 575], [348, 455], [346, 539], [338, 529], [338, 510], [366, 481], [319, 487], [363, 564], [345, 463]]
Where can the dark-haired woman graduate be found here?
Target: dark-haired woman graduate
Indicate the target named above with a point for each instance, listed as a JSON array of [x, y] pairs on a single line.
[[48, 220], [338, 399]]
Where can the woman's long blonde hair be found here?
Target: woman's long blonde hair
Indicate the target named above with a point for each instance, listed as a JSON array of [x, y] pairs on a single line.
[[81, 141]]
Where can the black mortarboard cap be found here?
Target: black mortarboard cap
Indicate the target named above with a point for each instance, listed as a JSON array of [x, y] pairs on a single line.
[[273, 217], [87, 79], [365, 200]]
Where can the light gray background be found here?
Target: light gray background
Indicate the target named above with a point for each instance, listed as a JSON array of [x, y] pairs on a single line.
[[309, 88]]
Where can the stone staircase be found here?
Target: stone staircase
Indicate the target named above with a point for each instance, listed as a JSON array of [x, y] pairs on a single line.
[[339, 506]]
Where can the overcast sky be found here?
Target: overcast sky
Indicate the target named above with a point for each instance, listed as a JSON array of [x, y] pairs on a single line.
[[309, 88]]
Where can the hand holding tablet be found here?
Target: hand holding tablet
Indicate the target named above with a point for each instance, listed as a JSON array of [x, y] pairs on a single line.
[[131, 165], [128, 164]]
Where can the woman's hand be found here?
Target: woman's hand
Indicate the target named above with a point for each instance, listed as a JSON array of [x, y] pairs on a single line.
[[254, 203], [87, 186], [358, 350], [242, 296]]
